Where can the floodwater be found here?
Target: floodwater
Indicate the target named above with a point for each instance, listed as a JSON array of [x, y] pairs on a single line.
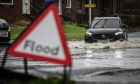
[[104, 45], [133, 42], [88, 59]]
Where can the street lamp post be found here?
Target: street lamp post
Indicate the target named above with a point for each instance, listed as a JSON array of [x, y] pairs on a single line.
[[90, 13]]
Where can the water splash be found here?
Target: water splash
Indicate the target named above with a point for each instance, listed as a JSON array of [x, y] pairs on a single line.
[[105, 45]]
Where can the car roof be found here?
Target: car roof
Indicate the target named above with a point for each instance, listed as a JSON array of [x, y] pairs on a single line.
[[106, 18]]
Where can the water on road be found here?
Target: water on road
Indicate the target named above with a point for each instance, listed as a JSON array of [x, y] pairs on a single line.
[[89, 58]]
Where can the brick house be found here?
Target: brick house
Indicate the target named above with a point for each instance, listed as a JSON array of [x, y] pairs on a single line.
[[72, 10], [10, 9]]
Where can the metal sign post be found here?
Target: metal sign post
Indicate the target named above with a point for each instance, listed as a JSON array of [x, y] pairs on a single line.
[[4, 60], [90, 6], [67, 74], [25, 66]]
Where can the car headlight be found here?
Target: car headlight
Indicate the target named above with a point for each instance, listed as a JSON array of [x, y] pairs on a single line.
[[118, 33], [88, 33]]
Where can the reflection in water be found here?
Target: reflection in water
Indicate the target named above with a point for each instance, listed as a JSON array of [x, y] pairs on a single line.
[[89, 53], [118, 54], [88, 61], [118, 58]]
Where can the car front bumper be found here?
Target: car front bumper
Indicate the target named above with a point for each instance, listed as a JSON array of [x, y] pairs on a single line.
[[95, 39]]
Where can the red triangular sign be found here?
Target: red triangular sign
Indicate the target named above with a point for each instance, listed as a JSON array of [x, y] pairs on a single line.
[[43, 40]]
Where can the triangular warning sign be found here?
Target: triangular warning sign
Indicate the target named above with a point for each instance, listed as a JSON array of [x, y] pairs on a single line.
[[43, 40]]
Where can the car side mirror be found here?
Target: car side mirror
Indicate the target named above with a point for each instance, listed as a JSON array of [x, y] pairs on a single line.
[[124, 26], [86, 26]]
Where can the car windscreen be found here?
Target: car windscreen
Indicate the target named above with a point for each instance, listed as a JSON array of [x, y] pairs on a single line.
[[4, 26], [106, 23]]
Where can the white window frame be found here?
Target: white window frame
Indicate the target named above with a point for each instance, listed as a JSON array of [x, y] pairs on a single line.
[[60, 7], [11, 3], [26, 7], [68, 3]]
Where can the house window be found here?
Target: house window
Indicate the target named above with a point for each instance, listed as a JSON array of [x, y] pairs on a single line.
[[79, 4], [68, 3], [6, 2]]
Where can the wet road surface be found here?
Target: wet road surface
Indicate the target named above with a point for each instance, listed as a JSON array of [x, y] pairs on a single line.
[[89, 60]]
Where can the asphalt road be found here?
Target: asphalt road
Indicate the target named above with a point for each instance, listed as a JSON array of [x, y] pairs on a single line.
[[91, 62]]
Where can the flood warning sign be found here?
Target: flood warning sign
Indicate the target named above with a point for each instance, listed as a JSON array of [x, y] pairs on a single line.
[[43, 40]]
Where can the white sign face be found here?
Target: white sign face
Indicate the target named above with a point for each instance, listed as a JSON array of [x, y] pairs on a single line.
[[43, 40], [26, 6]]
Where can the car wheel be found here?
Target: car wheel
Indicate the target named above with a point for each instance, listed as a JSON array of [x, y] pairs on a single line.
[[89, 40], [124, 37], [86, 40]]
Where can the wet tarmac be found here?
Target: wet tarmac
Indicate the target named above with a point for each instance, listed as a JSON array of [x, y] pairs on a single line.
[[89, 60]]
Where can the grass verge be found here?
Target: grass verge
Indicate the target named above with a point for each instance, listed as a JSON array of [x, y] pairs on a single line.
[[16, 31], [72, 31]]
